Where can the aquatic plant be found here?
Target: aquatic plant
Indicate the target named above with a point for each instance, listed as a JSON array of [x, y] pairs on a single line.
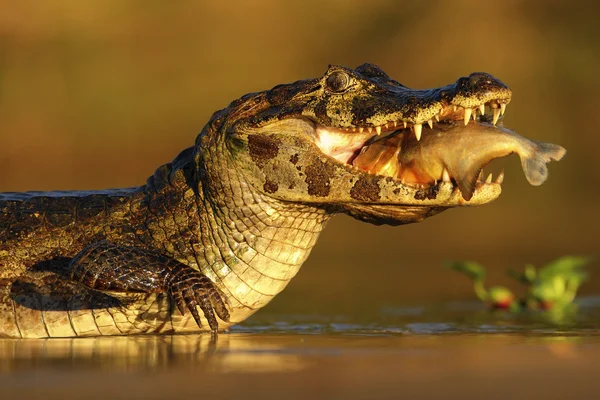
[[552, 286]]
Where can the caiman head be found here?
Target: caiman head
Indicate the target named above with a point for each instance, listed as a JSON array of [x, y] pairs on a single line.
[[359, 142]]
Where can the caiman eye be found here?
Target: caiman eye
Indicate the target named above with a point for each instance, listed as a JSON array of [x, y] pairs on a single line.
[[338, 81]]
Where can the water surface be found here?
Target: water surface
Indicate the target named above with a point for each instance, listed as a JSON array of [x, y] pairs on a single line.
[[438, 351]]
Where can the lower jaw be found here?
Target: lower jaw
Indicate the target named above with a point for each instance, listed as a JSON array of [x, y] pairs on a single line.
[[387, 214]]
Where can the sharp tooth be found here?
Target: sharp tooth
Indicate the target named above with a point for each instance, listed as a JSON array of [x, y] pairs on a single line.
[[395, 123], [370, 129], [502, 109], [430, 123], [480, 177], [361, 129], [437, 117], [474, 114], [489, 179], [454, 108], [418, 128], [404, 124], [496, 115], [468, 112], [482, 109], [378, 130], [386, 125], [500, 178], [445, 175]]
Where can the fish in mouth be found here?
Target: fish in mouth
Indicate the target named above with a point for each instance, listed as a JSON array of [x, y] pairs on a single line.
[[455, 146]]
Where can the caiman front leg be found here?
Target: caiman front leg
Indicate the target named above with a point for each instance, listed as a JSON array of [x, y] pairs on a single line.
[[105, 266]]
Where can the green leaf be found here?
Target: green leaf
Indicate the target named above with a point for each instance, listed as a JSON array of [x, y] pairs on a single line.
[[530, 272], [472, 269], [563, 266]]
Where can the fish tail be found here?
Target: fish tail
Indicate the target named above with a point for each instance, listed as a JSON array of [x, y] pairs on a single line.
[[534, 164]]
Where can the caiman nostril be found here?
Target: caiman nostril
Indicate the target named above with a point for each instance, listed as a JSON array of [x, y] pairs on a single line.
[[478, 79], [481, 80]]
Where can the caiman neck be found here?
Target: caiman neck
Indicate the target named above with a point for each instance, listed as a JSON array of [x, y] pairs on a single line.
[[255, 248], [249, 244], [256, 244]]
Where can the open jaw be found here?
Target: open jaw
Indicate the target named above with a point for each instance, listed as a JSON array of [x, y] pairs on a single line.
[[383, 150], [421, 157]]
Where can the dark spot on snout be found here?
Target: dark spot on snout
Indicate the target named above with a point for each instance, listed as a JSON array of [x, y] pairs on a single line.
[[294, 159], [270, 186], [366, 189], [263, 148], [318, 178], [429, 193]]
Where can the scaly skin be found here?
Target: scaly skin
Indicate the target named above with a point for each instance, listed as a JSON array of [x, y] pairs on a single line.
[[229, 222]]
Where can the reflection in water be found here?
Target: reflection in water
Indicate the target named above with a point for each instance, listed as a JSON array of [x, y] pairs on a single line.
[[133, 353], [239, 353]]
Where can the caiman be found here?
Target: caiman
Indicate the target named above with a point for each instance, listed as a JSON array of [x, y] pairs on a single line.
[[214, 235]]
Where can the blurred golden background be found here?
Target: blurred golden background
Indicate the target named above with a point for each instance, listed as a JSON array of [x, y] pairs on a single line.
[[98, 94]]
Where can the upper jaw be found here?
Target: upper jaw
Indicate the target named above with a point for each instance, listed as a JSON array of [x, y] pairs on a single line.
[[401, 108], [331, 139]]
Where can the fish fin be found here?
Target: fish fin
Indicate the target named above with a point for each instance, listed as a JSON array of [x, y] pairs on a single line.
[[468, 181], [534, 166]]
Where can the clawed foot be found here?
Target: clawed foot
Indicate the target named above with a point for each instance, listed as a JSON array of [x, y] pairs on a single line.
[[189, 288]]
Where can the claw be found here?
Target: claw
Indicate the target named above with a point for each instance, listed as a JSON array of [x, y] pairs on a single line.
[[209, 314], [191, 303], [179, 302], [219, 306], [196, 316], [191, 290]]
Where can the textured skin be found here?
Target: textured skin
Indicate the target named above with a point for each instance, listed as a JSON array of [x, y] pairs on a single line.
[[107, 267], [225, 226]]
